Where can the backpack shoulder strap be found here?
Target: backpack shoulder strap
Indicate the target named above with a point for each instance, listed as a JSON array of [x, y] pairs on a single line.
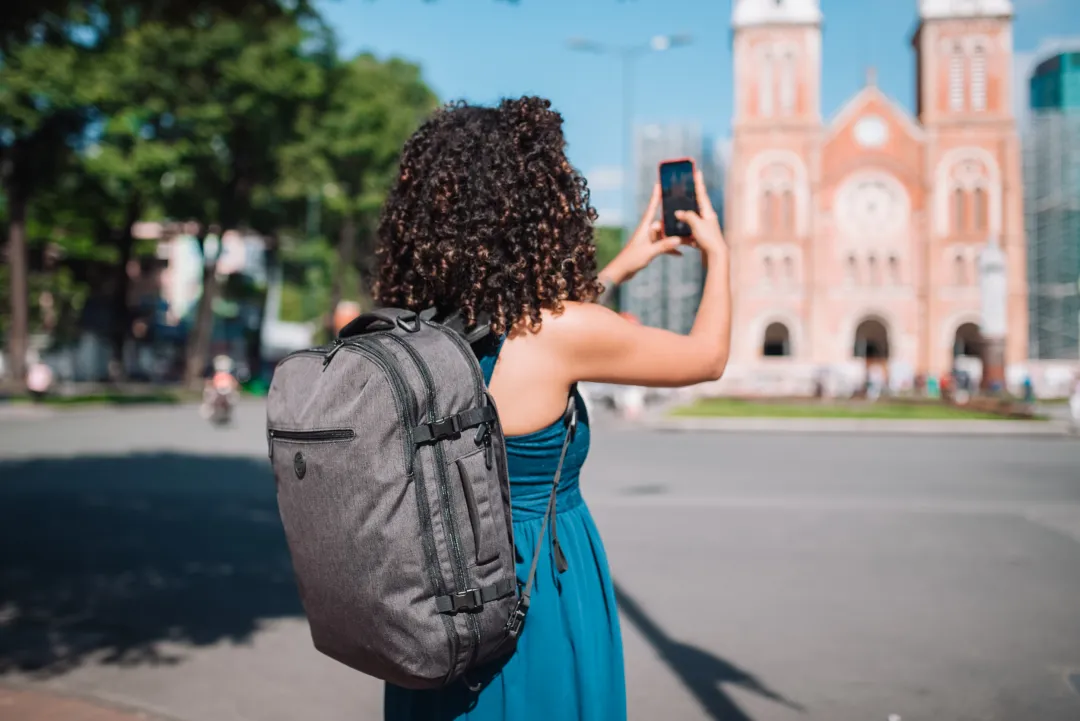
[[488, 354]]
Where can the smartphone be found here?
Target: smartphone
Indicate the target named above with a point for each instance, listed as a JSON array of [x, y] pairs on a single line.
[[677, 192]]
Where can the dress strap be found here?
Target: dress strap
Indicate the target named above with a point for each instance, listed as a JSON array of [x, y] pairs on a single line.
[[489, 356]]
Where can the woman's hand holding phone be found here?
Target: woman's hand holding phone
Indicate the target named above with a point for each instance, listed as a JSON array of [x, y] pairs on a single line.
[[704, 226], [646, 243]]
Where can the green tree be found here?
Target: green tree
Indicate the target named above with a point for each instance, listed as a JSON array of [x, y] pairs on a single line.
[[126, 170], [41, 115], [232, 92], [609, 242], [49, 84], [346, 153]]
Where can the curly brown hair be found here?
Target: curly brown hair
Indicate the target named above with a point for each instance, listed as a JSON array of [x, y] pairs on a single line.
[[488, 216]]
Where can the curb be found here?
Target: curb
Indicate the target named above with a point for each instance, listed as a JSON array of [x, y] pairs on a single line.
[[25, 703], [1032, 429]]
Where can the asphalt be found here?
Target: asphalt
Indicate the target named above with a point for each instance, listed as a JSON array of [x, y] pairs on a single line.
[[761, 576]]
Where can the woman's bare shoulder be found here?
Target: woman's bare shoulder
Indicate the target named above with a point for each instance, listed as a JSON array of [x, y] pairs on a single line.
[[575, 320]]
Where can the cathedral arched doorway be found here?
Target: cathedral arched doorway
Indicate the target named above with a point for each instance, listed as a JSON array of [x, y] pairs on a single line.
[[777, 342], [872, 340], [967, 342], [967, 356], [872, 345]]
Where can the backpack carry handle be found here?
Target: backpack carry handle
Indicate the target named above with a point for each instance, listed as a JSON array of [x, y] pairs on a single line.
[[455, 321], [404, 319]]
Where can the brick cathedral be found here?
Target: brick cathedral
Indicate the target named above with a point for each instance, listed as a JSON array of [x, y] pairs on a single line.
[[855, 240]]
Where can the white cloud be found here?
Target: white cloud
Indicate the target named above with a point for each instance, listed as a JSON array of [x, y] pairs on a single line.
[[605, 178]]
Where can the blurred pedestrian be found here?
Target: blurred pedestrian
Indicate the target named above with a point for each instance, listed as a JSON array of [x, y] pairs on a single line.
[[1029, 390], [875, 382], [488, 217]]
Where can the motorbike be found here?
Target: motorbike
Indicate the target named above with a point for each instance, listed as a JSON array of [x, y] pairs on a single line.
[[220, 408]]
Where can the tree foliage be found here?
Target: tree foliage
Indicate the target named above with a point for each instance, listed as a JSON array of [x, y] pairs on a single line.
[[222, 115]]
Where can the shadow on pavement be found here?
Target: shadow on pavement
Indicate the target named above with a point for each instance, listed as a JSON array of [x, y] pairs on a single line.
[[700, 671], [110, 556]]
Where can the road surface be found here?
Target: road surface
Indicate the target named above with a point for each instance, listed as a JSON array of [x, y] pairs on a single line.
[[764, 577]]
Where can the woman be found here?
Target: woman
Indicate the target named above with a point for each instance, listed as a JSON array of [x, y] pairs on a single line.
[[488, 216]]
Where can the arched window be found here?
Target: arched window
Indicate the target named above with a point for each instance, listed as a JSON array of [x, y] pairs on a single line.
[[959, 270], [894, 270], [787, 212], [789, 269], [767, 87], [770, 272], [978, 79], [852, 271], [959, 210], [777, 341], [980, 210], [787, 84], [875, 275], [956, 78]]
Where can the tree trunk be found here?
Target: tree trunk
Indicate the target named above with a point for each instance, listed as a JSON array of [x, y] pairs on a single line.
[[19, 331], [121, 308], [201, 333], [346, 251], [255, 357]]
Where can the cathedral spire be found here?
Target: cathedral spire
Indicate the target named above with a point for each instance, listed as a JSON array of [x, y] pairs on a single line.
[[946, 9], [775, 12]]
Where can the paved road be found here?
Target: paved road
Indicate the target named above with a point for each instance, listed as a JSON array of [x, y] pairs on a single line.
[[764, 577]]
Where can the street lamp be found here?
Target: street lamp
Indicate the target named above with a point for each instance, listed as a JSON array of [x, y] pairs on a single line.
[[627, 54]]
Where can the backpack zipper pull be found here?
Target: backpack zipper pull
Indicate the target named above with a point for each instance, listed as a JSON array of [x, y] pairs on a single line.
[[338, 343], [483, 438]]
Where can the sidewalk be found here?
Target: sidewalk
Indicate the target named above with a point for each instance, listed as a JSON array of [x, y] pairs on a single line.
[[22, 705], [1040, 429]]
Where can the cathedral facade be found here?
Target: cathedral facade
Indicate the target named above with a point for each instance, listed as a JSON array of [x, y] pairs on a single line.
[[856, 240]]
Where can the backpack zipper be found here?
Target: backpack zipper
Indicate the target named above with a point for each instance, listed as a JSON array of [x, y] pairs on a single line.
[[460, 572], [332, 435], [382, 358]]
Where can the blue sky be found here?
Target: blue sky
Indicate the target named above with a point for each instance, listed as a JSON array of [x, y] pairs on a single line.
[[481, 50]]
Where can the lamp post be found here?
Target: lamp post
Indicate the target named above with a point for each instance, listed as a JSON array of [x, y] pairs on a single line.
[[627, 54]]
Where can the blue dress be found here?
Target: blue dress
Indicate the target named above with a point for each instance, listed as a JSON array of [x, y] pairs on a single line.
[[568, 665]]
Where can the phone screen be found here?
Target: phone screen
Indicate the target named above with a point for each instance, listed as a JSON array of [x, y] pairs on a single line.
[[678, 193]]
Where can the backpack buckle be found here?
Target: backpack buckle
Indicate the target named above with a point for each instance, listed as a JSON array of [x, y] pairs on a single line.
[[445, 428], [516, 622], [468, 600]]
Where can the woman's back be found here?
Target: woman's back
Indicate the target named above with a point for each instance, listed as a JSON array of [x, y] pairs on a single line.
[[532, 458], [568, 663]]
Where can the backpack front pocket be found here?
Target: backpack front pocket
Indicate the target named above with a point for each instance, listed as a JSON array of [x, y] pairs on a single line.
[[475, 489], [299, 460]]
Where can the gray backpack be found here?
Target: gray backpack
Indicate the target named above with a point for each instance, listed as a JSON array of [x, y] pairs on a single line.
[[392, 486]]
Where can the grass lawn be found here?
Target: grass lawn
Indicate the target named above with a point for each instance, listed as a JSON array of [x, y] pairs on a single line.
[[163, 397], [736, 408]]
